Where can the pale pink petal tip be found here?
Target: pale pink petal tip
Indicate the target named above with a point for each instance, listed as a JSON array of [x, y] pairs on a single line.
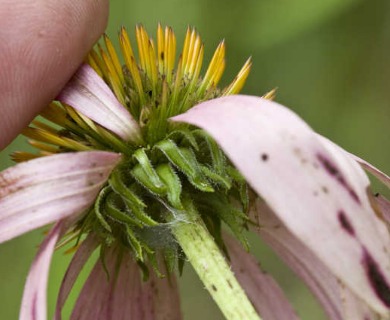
[[34, 305], [124, 295], [90, 95], [262, 290], [316, 190], [44, 190]]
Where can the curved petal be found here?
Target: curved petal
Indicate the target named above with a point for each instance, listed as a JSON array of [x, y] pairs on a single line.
[[318, 192], [41, 191], [300, 259], [379, 203], [338, 302], [34, 296], [262, 290], [78, 261], [123, 295], [90, 95], [94, 293]]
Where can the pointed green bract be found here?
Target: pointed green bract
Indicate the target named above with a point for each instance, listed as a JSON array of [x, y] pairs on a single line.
[[145, 173], [134, 203], [99, 202], [173, 184], [185, 160]]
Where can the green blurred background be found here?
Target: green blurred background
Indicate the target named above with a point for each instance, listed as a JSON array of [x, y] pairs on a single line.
[[329, 60]]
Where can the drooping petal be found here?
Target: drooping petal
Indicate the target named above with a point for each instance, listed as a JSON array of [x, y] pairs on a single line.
[[47, 189], [262, 290], [124, 295], [299, 258], [165, 297], [95, 291], [378, 202], [78, 261], [90, 95], [34, 305], [316, 191]]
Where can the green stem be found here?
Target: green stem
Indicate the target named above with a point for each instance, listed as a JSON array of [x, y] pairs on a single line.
[[211, 266]]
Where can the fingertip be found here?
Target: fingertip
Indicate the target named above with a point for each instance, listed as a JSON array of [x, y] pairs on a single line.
[[44, 42]]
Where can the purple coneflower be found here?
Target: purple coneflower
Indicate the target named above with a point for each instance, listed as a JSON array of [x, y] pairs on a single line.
[[150, 164]]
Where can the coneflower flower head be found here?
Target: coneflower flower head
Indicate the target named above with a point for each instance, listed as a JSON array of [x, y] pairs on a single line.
[[163, 162]]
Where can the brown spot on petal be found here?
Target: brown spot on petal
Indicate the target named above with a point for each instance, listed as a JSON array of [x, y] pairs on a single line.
[[333, 171], [264, 157], [345, 223], [324, 189], [376, 278], [298, 152]]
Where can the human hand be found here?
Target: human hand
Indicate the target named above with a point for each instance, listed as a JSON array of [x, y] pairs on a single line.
[[42, 42]]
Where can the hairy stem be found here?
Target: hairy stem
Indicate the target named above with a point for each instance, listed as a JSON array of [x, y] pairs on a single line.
[[211, 265]]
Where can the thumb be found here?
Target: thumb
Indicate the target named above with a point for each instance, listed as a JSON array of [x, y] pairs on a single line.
[[42, 44]]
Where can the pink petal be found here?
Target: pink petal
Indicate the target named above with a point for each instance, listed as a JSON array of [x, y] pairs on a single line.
[[165, 297], [34, 296], [79, 260], [47, 189], [124, 295], [378, 202], [299, 258], [383, 177], [262, 290], [95, 292], [90, 95], [338, 302], [318, 192]]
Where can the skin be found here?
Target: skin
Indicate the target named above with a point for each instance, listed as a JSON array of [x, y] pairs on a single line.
[[42, 44]]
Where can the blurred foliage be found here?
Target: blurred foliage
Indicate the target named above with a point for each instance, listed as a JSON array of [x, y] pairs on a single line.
[[329, 60]]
